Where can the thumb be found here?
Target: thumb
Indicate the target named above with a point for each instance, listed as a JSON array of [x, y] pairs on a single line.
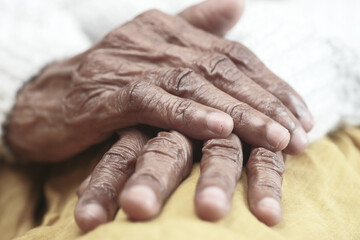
[[214, 16]]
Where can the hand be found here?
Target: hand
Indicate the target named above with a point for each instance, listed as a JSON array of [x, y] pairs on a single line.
[[160, 71], [165, 162], [162, 163]]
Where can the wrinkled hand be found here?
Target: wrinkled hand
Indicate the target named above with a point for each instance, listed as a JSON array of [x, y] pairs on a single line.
[[156, 70], [162, 163], [159, 70], [166, 160]]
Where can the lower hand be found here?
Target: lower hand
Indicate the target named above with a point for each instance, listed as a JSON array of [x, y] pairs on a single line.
[[162, 163]]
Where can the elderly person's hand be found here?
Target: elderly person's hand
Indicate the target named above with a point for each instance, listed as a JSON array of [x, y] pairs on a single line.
[[161, 71], [156, 70], [164, 161]]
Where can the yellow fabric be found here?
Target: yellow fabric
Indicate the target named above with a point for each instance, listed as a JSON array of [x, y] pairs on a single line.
[[321, 198]]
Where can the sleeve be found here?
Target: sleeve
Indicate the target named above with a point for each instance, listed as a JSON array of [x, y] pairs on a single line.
[[32, 36]]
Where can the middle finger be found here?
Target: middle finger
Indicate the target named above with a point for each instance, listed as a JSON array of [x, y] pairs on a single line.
[[164, 162], [221, 166]]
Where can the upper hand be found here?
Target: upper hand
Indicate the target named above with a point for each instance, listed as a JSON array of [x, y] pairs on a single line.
[[161, 71]]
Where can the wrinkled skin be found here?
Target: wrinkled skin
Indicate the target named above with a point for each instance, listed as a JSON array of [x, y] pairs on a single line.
[[158, 70], [162, 163]]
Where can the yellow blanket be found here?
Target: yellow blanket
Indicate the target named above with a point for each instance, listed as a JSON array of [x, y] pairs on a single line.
[[321, 200]]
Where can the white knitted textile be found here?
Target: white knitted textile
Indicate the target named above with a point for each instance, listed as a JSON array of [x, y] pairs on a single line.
[[313, 45], [33, 33]]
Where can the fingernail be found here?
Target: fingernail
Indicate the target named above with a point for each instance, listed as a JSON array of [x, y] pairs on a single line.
[[306, 120], [299, 140], [277, 136], [140, 202], [271, 210], [212, 204], [220, 123]]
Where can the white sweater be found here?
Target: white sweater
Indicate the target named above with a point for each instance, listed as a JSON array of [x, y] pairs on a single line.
[[313, 45]]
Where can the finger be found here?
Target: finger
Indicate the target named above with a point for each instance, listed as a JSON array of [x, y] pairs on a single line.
[[265, 170], [214, 16], [222, 72], [98, 202], [182, 50], [227, 76], [141, 102], [221, 166], [249, 124], [240, 55], [163, 164], [249, 64]]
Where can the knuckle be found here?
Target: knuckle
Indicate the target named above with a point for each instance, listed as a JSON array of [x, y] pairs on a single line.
[[224, 149], [115, 166], [265, 162], [123, 154], [214, 64], [233, 47], [275, 109], [178, 80], [162, 141], [172, 151], [240, 112], [104, 188], [167, 146], [126, 150], [183, 82], [271, 106], [217, 61], [214, 145], [136, 92], [181, 110], [175, 137], [244, 58]]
